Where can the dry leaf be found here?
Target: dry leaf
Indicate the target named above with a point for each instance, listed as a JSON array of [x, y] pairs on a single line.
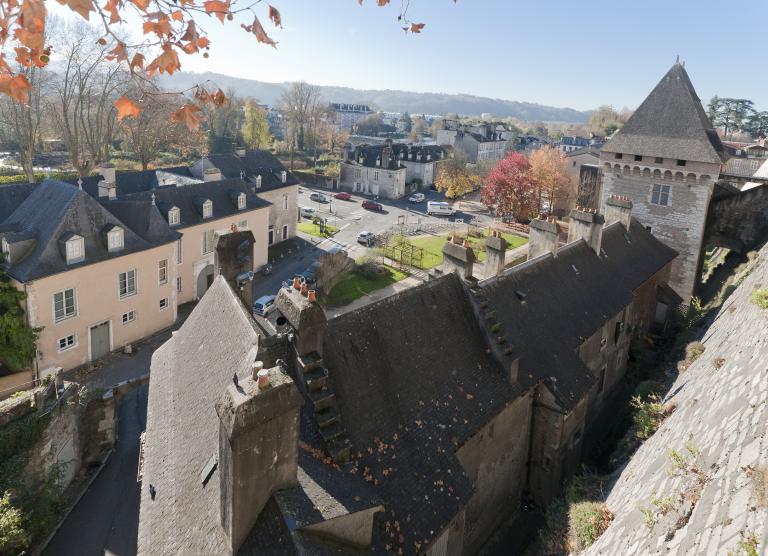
[[188, 115], [274, 15], [126, 108]]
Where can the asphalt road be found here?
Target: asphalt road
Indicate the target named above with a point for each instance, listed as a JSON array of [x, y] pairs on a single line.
[[106, 519]]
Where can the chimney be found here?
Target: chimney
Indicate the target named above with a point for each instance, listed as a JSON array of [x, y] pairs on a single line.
[[240, 151], [386, 156], [107, 171], [347, 152], [107, 189], [305, 316], [211, 174], [586, 224], [459, 259], [543, 236], [233, 259], [618, 208], [495, 254], [258, 447]]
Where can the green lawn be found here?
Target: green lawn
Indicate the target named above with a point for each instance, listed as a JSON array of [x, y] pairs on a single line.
[[433, 247], [314, 229], [354, 286]]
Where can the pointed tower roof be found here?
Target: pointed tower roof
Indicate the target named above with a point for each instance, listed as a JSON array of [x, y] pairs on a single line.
[[670, 123]]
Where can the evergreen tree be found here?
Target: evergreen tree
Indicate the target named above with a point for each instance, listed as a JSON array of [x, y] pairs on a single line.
[[405, 118], [17, 339]]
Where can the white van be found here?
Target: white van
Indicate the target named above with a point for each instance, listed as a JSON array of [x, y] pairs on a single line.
[[439, 208]]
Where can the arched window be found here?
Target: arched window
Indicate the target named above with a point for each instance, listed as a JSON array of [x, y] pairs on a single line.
[[656, 174], [667, 175], [691, 178], [646, 172]]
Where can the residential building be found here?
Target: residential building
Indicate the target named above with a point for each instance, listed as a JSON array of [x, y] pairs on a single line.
[[345, 115], [415, 424], [743, 160], [529, 143], [584, 168], [569, 143], [667, 158], [373, 170], [483, 144]]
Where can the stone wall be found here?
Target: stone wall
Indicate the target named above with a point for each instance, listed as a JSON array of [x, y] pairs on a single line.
[[740, 221], [97, 428], [716, 494]]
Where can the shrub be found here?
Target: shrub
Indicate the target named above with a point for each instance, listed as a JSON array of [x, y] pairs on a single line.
[[647, 389], [13, 537], [554, 536], [367, 268], [648, 415], [693, 351], [760, 298], [586, 522]]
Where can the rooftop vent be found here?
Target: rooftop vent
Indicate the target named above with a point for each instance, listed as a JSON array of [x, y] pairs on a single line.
[[576, 270], [521, 295]]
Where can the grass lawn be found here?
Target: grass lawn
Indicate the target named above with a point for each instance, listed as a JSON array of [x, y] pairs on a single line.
[[354, 286], [433, 247], [314, 229]]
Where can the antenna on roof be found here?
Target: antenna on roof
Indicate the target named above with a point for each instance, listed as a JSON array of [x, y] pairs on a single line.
[[677, 60]]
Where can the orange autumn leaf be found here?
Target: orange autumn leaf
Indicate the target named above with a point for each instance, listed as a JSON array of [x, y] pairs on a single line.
[[261, 35], [17, 87], [161, 28], [217, 7], [274, 15], [417, 27], [137, 62], [119, 53], [188, 115], [126, 108], [31, 25], [113, 7], [167, 62], [81, 7], [382, 2], [141, 4], [218, 98], [177, 15]]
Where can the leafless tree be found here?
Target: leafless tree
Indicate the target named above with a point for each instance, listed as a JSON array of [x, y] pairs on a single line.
[[299, 106]]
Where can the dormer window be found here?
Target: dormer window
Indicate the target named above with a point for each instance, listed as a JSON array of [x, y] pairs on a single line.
[[207, 209], [115, 239], [241, 201], [6, 251], [283, 176], [75, 249], [174, 216], [258, 181]]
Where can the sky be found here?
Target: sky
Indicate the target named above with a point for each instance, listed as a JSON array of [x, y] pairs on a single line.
[[560, 53]]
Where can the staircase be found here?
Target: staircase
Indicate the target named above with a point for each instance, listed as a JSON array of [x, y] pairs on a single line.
[[326, 410]]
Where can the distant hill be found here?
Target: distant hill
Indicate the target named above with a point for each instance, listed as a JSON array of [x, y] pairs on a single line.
[[388, 100]]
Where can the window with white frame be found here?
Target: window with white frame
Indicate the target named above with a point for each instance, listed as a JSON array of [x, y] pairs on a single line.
[[162, 271], [115, 238], [6, 251], [127, 283], [258, 181], [208, 242], [164, 303], [207, 209], [660, 195], [241, 201], [75, 247], [130, 316], [174, 216], [67, 342], [64, 305], [179, 256], [178, 283], [376, 176], [358, 173]]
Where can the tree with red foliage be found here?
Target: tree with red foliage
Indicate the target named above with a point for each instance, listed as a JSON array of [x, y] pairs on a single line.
[[509, 188]]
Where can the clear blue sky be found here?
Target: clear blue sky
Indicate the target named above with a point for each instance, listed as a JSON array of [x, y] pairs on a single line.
[[561, 53]]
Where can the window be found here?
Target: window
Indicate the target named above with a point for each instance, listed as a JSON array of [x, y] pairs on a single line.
[[6, 251], [67, 342], [285, 232], [130, 316], [164, 303], [619, 156], [75, 250], [115, 239], [285, 202], [242, 224], [660, 195], [162, 271], [207, 209], [601, 379], [127, 283], [241, 201], [208, 242], [64, 305], [271, 239], [258, 181], [178, 283], [358, 174], [658, 160], [617, 332], [574, 164], [174, 216], [179, 252], [376, 176], [681, 162], [638, 158], [283, 176]]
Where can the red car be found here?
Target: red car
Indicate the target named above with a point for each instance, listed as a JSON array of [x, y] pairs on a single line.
[[372, 205], [343, 196]]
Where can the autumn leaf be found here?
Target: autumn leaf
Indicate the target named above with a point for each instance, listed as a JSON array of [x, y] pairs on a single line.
[[167, 62], [31, 25], [137, 62], [188, 115], [126, 108], [382, 2], [119, 53], [417, 27], [177, 15], [274, 15], [141, 4], [113, 7], [17, 87], [82, 7], [217, 7], [261, 35]]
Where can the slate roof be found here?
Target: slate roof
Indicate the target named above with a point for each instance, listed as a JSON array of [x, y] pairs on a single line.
[[54, 210], [592, 150], [435, 152], [254, 163], [566, 299], [670, 123], [370, 154], [140, 180], [11, 196]]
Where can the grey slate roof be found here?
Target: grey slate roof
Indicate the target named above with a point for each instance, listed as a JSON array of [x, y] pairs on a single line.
[[670, 123], [370, 154], [55, 210], [141, 180], [254, 163], [11, 196]]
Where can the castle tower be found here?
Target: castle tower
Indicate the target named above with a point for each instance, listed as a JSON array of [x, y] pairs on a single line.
[[666, 159]]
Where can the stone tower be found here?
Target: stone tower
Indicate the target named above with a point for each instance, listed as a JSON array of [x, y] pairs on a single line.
[[666, 160]]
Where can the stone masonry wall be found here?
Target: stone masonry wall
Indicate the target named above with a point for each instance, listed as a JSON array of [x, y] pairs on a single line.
[[713, 486]]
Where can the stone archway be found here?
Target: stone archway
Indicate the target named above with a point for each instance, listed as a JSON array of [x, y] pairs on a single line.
[[204, 280]]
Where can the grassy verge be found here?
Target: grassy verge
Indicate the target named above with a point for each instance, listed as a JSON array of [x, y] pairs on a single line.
[[314, 229], [433, 247], [357, 284]]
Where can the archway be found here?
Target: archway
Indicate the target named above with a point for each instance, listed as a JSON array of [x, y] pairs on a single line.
[[204, 280]]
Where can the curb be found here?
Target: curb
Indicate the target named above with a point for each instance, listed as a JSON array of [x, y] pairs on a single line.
[[39, 549]]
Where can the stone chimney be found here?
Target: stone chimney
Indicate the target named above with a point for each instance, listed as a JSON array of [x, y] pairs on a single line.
[[543, 236], [240, 152], [386, 155], [305, 317], [258, 447], [618, 208], [233, 259], [347, 153], [586, 224], [211, 174], [107, 171], [107, 189], [495, 254], [458, 258]]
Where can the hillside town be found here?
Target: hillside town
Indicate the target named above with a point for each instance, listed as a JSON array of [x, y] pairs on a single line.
[[317, 325]]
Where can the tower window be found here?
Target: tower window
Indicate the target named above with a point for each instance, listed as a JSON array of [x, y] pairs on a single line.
[[638, 158], [658, 160], [660, 195], [619, 155], [681, 162]]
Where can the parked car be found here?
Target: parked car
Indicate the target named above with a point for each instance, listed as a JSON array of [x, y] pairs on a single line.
[[343, 196], [372, 205], [416, 198], [366, 238], [440, 208], [318, 198], [307, 212], [263, 305]]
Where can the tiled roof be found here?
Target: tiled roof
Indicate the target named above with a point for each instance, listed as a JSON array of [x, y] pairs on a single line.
[[670, 123]]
